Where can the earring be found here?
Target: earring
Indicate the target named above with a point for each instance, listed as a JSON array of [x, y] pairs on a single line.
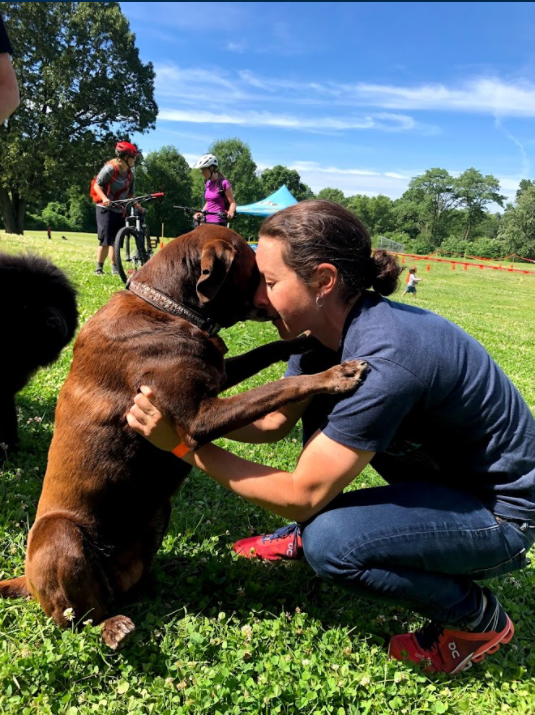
[[319, 298]]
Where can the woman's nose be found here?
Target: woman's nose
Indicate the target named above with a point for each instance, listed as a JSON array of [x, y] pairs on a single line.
[[261, 299]]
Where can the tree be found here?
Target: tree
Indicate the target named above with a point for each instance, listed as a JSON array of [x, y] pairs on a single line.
[[272, 179], [82, 86], [473, 192], [517, 229], [166, 170], [335, 195], [433, 192], [524, 184], [237, 165], [375, 212]]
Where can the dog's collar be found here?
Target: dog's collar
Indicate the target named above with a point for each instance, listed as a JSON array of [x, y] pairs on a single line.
[[168, 305]]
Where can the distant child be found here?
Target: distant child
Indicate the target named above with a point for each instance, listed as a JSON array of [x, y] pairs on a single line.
[[411, 282], [49, 233]]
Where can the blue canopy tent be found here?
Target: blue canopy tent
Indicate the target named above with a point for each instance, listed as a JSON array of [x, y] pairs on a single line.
[[270, 205]]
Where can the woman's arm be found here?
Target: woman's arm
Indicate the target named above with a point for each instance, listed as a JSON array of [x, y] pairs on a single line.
[[324, 468], [231, 211], [271, 428], [323, 471], [104, 199]]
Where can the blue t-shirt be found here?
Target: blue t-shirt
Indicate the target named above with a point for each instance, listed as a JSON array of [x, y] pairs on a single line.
[[434, 406]]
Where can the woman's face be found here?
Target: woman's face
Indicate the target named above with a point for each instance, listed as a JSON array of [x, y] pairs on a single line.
[[207, 173], [288, 301]]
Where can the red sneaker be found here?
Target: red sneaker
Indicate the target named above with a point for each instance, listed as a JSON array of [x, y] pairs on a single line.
[[441, 650], [285, 543]]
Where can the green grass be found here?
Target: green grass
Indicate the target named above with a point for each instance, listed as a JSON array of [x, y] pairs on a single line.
[[217, 634]]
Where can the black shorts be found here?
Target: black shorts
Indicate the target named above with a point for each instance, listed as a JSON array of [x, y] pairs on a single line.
[[108, 223]]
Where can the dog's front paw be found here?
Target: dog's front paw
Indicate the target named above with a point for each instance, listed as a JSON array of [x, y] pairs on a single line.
[[347, 376], [116, 631]]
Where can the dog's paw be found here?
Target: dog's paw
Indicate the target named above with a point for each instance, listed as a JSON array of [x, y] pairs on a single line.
[[347, 376], [116, 631]]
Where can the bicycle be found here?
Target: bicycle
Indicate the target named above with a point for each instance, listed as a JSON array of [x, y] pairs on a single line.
[[196, 221], [133, 244]]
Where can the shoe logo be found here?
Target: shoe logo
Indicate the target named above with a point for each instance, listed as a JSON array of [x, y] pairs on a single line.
[[454, 652], [290, 550]]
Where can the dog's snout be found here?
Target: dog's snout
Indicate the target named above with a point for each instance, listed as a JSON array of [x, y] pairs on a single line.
[[258, 315]]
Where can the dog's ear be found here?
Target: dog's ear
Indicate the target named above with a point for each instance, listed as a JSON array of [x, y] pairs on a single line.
[[216, 260]]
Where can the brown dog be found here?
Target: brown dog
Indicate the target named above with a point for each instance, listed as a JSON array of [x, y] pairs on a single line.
[[105, 504]]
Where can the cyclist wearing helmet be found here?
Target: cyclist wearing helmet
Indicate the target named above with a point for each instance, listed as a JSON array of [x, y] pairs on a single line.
[[218, 194], [115, 182]]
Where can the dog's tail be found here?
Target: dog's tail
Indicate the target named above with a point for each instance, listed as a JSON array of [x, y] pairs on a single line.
[[14, 588]]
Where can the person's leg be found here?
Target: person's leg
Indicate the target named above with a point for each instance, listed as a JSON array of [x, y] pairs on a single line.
[[414, 544], [103, 228], [108, 223], [421, 546], [102, 254]]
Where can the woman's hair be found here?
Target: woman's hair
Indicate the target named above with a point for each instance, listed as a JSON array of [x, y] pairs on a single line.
[[317, 232], [217, 170]]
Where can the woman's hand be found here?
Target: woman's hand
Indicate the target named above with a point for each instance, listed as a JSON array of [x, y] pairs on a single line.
[[106, 201], [146, 419]]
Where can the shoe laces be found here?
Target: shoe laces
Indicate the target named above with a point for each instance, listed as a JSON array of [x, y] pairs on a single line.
[[283, 532], [429, 635]]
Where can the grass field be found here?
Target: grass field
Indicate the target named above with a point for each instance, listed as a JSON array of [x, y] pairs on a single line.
[[216, 634]]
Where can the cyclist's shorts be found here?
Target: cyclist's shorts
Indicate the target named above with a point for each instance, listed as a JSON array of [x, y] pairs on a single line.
[[108, 223]]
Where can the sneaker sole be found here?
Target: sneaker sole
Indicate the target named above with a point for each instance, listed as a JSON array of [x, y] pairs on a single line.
[[492, 647]]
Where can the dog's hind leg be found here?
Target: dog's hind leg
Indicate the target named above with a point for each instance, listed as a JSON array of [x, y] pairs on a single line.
[[64, 572], [14, 588]]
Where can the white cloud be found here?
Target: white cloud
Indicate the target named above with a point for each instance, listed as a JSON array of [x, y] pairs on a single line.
[[236, 46], [382, 121], [353, 181], [489, 95]]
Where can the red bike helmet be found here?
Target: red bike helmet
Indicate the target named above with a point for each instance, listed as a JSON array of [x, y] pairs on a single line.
[[126, 148]]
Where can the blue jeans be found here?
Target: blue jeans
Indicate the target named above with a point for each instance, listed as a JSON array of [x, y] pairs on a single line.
[[415, 544]]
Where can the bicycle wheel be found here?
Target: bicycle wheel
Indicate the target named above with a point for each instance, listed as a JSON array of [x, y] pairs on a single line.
[[129, 253]]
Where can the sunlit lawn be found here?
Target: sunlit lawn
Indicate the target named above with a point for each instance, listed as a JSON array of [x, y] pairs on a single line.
[[219, 634]]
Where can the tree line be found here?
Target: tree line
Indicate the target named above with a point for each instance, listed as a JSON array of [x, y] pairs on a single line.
[[83, 85]]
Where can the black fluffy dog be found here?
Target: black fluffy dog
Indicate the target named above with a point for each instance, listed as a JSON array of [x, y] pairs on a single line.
[[38, 317]]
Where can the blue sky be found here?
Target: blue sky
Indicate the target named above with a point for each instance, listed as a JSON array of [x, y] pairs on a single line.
[[356, 96]]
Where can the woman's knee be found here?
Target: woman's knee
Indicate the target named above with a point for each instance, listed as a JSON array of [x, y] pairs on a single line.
[[324, 545]]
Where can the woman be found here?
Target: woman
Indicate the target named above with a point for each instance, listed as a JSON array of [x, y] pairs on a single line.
[[114, 182], [435, 417], [218, 196]]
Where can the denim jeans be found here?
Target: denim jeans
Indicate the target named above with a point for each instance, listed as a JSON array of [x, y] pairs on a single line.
[[415, 544]]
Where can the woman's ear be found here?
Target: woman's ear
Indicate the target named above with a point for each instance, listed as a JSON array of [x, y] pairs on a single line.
[[326, 278]]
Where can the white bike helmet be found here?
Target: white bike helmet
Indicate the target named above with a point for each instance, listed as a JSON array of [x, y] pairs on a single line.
[[206, 162]]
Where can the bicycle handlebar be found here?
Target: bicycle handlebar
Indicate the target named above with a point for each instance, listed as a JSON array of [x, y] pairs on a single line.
[[138, 199], [188, 209]]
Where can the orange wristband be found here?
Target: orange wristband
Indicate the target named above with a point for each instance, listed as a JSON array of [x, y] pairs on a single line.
[[180, 450]]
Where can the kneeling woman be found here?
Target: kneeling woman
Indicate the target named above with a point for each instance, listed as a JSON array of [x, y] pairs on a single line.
[[436, 417]]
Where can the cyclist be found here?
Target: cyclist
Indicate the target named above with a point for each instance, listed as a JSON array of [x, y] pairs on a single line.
[[218, 196], [115, 181]]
